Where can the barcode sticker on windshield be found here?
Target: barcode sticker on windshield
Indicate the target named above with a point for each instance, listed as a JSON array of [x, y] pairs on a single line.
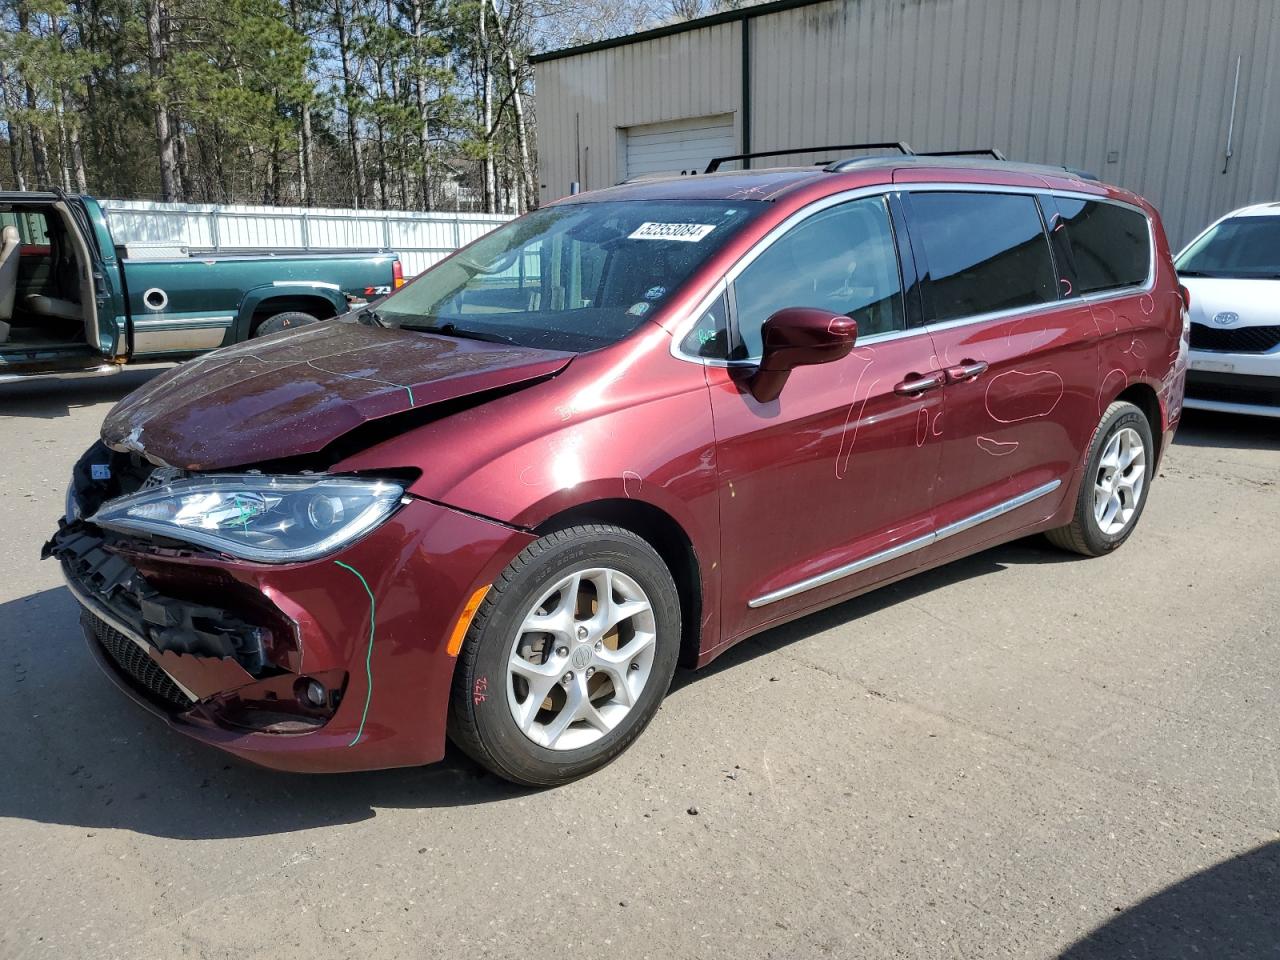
[[688, 232]]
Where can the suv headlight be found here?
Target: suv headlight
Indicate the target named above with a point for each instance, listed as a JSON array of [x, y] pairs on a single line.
[[71, 507], [272, 519]]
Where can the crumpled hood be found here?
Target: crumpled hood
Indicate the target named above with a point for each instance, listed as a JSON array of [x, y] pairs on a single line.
[[296, 392]]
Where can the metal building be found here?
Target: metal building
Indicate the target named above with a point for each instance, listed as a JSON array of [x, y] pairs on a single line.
[[1178, 100]]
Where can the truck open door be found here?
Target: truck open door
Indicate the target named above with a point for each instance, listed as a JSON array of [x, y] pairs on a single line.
[[109, 327], [64, 313]]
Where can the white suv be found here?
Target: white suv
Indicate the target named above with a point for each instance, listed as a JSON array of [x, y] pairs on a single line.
[[1232, 271]]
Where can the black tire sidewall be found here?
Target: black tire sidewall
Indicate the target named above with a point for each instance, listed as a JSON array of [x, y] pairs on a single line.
[[1118, 417], [514, 754], [280, 322]]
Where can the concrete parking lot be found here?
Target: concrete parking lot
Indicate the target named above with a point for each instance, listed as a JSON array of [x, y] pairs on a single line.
[[1025, 754]]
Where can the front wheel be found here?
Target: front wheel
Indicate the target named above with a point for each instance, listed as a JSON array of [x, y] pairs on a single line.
[[1114, 489], [288, 320], [568, 657]]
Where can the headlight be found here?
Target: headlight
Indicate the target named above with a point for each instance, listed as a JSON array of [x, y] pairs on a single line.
[[274, 519], [71, 508]]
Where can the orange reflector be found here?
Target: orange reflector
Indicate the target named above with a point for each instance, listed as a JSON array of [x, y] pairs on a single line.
[[464, 621]]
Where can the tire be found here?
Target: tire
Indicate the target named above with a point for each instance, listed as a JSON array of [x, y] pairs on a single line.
[[489, 691], [1087, 533], [284, 321]]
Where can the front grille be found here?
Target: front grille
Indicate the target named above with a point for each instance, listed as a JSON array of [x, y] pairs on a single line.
[[1235, 339], [138, 667], [1233, 388]]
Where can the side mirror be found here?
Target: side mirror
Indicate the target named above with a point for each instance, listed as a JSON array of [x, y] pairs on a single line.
[[799, 337]]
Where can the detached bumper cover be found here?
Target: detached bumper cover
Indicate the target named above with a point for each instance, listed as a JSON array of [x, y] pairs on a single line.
[[378, 614]]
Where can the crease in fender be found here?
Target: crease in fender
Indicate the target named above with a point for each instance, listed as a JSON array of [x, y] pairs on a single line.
[[368, 657], [478, 516]]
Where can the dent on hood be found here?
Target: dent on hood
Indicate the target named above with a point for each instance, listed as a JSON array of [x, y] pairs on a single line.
[[298, 392]]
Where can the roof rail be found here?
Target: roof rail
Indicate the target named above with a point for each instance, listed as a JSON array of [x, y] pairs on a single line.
[[949, 158], [963, 160], [901, 146], [991, 152]]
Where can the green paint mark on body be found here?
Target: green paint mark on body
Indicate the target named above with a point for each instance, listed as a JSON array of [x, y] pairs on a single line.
[[368, 670]]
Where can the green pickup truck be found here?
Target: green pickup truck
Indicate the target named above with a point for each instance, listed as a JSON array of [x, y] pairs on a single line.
[[72, 300]]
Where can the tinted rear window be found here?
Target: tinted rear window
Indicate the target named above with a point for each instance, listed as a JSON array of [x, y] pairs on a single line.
[[1110, 244], [986, 251]]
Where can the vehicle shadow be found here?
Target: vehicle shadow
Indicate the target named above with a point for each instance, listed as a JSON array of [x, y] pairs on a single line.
[[76, 752], [49, 399], [1030, 550], [1205, 428], [1230, 910]]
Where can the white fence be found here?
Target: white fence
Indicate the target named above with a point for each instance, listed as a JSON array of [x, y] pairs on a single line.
[[420, 238]]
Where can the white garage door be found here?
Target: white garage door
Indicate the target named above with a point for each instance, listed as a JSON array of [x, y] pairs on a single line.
[[679, 146]]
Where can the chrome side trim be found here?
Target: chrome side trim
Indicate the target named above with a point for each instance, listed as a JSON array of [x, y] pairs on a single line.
[[999, 510], [168, 321], [909, 546], [848, 570], [122, 628], [306, 283]]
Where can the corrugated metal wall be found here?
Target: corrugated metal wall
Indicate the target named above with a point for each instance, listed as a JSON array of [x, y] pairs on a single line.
[[585, 103], [420, 238], [1138, 91]]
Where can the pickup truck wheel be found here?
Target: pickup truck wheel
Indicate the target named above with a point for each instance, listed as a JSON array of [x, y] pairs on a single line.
[[284, 321], [1114, 489], [568, 657]]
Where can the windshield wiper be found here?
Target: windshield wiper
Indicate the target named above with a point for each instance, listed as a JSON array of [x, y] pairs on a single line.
[[451, 329]]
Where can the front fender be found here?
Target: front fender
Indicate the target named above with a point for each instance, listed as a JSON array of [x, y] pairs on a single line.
[[601, 431]]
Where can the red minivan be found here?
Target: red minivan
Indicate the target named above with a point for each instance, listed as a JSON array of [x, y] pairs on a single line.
[[624, 431]]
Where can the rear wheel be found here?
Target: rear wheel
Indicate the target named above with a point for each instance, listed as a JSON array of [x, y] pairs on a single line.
[[568, 658], [284, 321], [1114, 489]]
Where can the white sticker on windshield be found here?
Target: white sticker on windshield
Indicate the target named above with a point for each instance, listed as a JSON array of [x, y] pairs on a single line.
[[687, 232]]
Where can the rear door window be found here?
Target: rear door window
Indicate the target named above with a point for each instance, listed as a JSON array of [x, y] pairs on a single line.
[[1110, 244], [986, 252]]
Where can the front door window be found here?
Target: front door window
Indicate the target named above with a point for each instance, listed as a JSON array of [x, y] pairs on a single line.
[[842, 259]]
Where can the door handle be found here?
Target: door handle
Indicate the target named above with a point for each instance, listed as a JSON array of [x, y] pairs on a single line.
[[966, 371], [919, 383]]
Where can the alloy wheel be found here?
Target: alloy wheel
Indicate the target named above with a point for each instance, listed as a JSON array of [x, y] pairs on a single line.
[[1120, 479], [581, 658]]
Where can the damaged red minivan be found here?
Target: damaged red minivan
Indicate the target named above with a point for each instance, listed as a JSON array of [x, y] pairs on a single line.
[[624, 431]]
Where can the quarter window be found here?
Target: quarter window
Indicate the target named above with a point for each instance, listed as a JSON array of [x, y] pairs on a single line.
[[710, 335], [987, 252], [842, 259], [1110, 244]]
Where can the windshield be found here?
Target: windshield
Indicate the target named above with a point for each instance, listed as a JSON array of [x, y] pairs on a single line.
[[569, 277], [1246, 248]]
